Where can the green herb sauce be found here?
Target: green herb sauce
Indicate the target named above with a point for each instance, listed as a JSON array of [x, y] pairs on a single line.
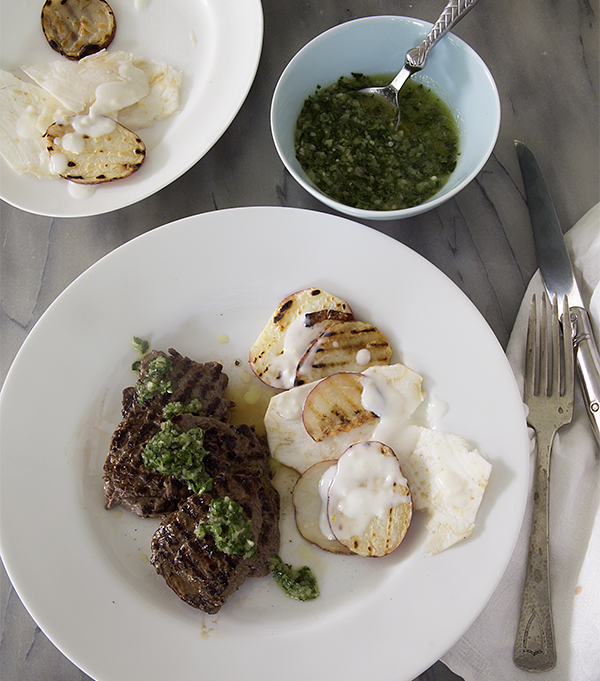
[[229, 527], [174, 408], [297, 583], [354, 149], [180, 454], [155, 383], [141, 346]]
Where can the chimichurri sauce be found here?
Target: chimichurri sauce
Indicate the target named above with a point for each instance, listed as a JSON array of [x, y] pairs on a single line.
[[229, 527], [297, 583], [352, 147]]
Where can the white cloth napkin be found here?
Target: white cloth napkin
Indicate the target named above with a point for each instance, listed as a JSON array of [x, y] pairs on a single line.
[[485, 652]]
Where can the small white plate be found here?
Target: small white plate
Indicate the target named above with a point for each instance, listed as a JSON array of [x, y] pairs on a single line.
[[216, 44], [83, 571]]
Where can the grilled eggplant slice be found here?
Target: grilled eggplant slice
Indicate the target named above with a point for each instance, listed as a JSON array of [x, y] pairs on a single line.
[[78, 28], [106, 158]]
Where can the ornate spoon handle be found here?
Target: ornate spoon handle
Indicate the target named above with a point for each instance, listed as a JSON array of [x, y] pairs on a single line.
[[534, 644], [454, 11]]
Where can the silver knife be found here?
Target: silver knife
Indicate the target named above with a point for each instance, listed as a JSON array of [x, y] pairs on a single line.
[[557, 273]]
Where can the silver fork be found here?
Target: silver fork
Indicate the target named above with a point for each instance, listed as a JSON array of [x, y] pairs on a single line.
[[549, 395]]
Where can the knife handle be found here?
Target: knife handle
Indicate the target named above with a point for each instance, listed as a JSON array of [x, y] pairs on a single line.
[[588, 365]]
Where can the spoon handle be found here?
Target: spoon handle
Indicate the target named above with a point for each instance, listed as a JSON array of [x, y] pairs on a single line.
[[454, 11]]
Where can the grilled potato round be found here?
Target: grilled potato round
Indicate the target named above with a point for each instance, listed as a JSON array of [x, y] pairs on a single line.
[[110, 157], [349, 345], [292, 328], [334, 405], [308, 504], [77, 28], [369, 502]]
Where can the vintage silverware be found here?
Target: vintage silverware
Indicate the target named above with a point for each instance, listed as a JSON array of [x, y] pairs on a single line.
[[557, 273], [548, 392], [454, 11]]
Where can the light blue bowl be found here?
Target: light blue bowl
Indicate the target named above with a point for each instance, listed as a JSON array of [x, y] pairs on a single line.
[[376, 46]]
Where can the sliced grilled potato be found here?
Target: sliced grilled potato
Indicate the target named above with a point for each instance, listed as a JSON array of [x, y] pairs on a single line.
[[308, 505], [267, 357], [77, 28], [334, 405], [349, 345], [290, 444], [110, 157], [369, 502]]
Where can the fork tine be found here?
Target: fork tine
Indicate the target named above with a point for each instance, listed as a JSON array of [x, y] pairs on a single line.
[[530, 353], [569, 378], [555, 384], [545, 387]]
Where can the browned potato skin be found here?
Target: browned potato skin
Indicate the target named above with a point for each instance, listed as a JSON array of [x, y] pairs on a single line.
[[307, 515], [78, 28]]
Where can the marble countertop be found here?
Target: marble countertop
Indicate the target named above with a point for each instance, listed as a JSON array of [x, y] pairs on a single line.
[[545, 60]]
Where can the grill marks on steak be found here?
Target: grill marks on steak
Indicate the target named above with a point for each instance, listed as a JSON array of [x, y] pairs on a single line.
[[193, 567], [189, 380], [127, 481]]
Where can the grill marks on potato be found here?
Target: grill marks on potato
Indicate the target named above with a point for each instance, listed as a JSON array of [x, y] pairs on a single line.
[[385, 531], [78, 28], [267, 352], [334, 405], [104, 159], [338, 348]]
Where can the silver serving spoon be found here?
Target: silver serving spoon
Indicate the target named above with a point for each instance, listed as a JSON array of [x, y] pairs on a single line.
[[454, 11]]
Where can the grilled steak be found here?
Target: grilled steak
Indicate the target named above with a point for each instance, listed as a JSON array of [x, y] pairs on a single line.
[[193, 567], [127, 481], [236, 459]]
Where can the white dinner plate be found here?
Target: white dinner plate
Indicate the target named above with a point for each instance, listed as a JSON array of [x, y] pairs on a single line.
[[216, 44], [206, 285]]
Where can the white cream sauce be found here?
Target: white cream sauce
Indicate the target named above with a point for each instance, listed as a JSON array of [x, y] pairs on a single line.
[[363, 357], [297, 338], [366, 484], [81, 191], [58, 163], [394, 427]]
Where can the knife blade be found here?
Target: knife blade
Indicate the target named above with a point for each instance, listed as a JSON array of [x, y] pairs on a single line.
[[559, 278]]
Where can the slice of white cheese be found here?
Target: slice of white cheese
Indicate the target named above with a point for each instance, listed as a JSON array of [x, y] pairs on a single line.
[[161, 102], [394, 393], [447, 478], [74, 83], [26, 110]]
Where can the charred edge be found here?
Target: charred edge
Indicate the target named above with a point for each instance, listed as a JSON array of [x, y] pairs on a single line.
[[282, 310]]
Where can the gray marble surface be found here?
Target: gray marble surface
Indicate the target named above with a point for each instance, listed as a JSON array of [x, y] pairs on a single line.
[[544, 58]]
